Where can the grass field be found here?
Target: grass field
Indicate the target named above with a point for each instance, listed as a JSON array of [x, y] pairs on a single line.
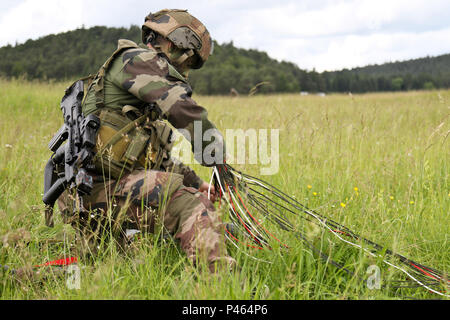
[[377, 163]]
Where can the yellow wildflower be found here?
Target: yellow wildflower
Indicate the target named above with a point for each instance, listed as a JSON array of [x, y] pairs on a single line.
[[343, 205], [309, 186]]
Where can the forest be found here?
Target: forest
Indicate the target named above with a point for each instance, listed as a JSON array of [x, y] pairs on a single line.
[[81, 52]]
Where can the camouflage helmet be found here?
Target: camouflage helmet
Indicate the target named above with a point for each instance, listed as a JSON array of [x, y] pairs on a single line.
[[184, 30]]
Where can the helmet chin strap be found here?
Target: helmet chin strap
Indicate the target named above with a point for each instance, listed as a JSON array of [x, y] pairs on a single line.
[[165, 50], [186, 55]]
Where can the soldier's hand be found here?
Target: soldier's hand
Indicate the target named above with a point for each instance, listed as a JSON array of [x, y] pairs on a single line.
[[204, 189]]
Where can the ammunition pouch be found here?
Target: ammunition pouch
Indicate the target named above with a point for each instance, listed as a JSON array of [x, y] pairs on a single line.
[[124, 145]]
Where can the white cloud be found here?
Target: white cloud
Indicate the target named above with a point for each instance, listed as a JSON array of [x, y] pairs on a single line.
[[321, 34], [32, 19], [347, 17], [345, 33], [357, 50]]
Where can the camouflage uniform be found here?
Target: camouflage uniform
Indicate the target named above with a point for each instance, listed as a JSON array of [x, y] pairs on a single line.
[[147, 199]]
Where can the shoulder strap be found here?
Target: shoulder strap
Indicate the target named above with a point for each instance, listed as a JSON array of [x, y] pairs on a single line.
[[98, 81]]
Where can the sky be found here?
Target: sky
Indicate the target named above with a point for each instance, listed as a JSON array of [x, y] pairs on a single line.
[[314, 34]]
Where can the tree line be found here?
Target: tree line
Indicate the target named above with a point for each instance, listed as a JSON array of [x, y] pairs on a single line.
[[81, 52]]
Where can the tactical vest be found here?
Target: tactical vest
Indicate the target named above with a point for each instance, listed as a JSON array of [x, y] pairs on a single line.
[[131, 138]]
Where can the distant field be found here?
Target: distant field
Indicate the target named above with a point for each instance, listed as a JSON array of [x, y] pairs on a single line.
[[378, 163]]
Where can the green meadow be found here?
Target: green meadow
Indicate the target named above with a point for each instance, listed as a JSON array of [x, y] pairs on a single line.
[[377, 163]]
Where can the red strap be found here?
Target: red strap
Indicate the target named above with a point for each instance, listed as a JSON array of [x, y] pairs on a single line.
[[60, 262]]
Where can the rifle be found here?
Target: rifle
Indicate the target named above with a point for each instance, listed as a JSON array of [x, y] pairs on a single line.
[[75, 155]]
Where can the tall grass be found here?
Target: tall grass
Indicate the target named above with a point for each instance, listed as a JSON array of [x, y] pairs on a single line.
[[377, 163]]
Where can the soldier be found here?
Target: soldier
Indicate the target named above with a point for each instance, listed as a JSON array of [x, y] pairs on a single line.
[[137, 183]]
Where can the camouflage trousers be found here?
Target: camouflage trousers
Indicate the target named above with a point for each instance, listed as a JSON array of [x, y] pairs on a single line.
[[152, 201]]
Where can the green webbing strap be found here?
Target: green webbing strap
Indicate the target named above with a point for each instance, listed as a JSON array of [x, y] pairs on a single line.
[[131, 112], [98, 81], [119, 134], [184, 57], [86, 82], [89, 77], [128, 108]]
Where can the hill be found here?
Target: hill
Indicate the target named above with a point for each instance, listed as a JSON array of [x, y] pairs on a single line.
[[423, 73], [81, 52]]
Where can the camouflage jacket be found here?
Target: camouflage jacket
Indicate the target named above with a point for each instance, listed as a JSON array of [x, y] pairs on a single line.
[[138, 76]]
